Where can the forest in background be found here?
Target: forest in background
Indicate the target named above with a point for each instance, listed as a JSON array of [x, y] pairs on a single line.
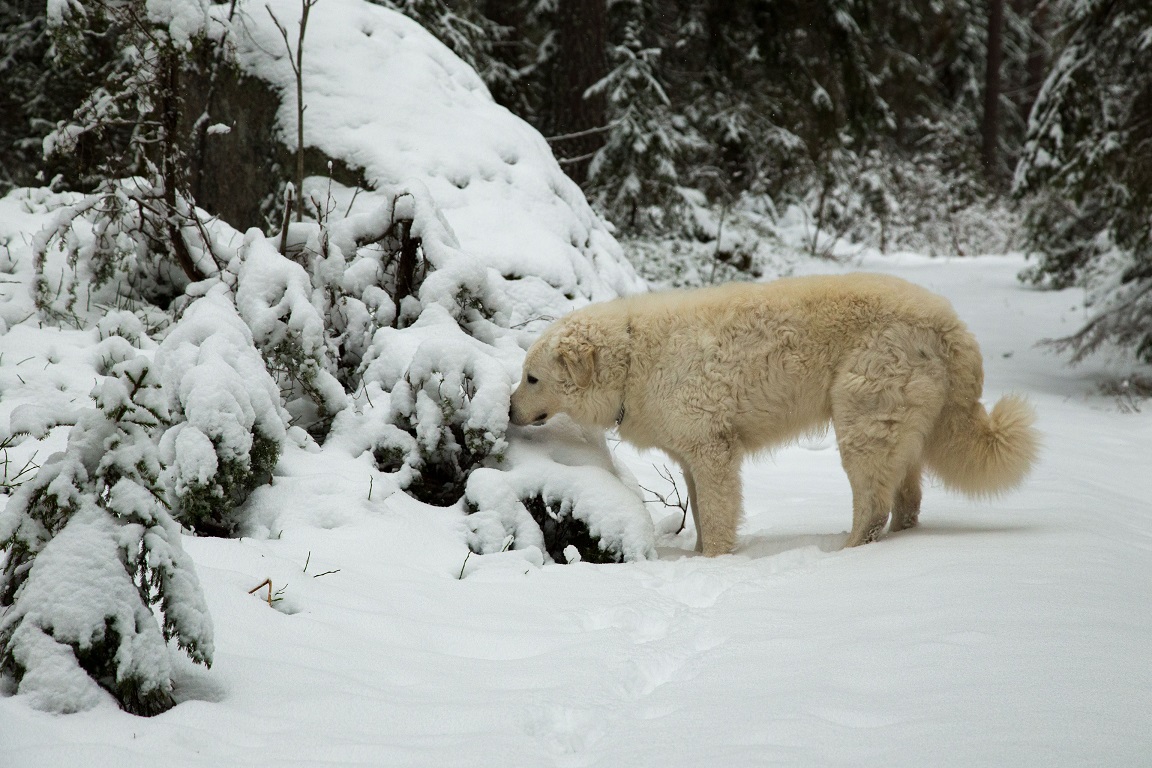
[[911, 124], [900, 124], [897, 123]]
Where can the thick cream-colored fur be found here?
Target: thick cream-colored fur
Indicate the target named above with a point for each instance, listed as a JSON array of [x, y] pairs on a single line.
[[711, 375]]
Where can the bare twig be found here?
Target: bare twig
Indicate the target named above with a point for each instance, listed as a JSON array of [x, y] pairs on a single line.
[[10, 482], [261, 585], [585, 132], [577, 159], [352, 202], [296, 60], [673, 499]]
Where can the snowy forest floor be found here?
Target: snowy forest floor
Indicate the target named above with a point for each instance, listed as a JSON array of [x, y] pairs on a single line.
[[1013, 631]]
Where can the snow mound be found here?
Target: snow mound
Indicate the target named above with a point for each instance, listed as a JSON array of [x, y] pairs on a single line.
[[383, 95], [562, 492]]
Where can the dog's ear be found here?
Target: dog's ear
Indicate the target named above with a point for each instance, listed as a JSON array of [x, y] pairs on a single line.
[[578, 356]]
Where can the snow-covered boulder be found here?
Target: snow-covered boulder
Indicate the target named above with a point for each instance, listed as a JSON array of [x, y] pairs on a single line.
[[395, 321]]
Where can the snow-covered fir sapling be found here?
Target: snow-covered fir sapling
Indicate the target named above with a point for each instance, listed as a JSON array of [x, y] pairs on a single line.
[[554, 506], [92, 551], [274, 296], [420, 318], [452, 400], [362, 268], [561, 530], [227, 422]]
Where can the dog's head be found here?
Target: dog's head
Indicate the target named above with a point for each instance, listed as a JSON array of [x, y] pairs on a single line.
[[559, 370]]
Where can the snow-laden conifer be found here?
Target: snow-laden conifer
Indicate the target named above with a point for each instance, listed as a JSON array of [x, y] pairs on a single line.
[[274, 297], [1086, 165], [93, 551], [227, 421]]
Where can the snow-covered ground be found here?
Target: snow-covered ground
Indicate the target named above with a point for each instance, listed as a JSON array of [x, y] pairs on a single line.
[[1009, 632]]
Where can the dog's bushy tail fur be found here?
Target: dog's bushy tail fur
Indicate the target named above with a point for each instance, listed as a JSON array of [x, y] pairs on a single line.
[[976, 452]]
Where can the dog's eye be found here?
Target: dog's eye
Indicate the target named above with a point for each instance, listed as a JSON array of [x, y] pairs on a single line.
[[532, 380]]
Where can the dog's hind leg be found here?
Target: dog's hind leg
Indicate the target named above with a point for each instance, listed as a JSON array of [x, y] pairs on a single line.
[[879, 455], [907, 510], [873, 492], [884, 404]]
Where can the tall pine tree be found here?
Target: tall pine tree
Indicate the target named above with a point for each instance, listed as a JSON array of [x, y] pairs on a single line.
[[1088, 167]]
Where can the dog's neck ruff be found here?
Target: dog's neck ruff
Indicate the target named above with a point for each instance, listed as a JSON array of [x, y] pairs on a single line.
[[627, 371]]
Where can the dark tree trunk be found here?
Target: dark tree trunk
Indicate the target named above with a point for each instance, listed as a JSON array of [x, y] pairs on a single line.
[[1038, 47], [172, 162], [581, 61], [990, 128]]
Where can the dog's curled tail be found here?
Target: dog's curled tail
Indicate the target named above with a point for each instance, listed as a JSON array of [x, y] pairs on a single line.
[[980, 453]]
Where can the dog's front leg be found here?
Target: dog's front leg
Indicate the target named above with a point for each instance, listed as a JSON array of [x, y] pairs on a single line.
[[693, 504], [715, 496]]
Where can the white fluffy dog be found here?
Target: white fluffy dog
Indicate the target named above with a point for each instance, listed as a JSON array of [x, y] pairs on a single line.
[[711, 375]]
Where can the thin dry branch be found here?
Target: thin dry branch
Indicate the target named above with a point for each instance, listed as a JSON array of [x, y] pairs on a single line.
[[261, 585], [296, 61], [672, 500]]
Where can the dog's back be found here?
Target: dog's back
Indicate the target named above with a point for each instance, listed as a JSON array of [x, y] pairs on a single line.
[[765, 356]]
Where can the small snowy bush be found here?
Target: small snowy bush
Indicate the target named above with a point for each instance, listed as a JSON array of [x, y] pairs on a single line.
[[92, 550], [228, 423], [435, 320], [129, 140], [553, 507], [274, 297], [453, 400], [109, 249]]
